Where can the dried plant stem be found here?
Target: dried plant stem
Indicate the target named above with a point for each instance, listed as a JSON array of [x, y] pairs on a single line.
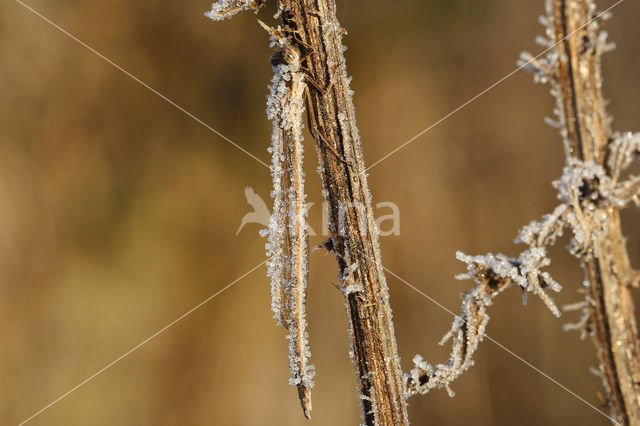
[[354, 235], [592, 190], [615, 334], [608, 272], [312, 52]]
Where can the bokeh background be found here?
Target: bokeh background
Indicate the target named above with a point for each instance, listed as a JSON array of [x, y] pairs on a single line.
[[118, 212]]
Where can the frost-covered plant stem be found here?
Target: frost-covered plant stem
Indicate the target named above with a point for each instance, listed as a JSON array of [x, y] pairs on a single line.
[[585, 126], [592, 190], [354, 236], [287, 245], [311, 52], [614, 326]]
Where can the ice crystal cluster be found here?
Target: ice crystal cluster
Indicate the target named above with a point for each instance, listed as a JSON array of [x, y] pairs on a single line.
[[224, 9], [492, 274], [586, 191], [551, 68]]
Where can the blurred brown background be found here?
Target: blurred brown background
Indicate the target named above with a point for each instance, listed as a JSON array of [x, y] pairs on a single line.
[[118, 212]]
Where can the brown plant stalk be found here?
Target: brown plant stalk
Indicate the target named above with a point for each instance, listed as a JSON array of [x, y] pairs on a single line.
[[607, 269], [592, 191], [311, 29], [316, 31]]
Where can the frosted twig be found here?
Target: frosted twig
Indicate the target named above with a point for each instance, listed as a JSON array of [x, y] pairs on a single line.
[[224, 9], [466, 333], [545, 232], [584, 323], [287, 244], [594, 190], [493, 275], [288, 235], [583, 189], [623, 150], [628, 192]]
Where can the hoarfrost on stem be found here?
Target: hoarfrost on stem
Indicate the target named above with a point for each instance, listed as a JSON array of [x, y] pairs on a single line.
[[493, 274], [287, 231], [287, 245], [591, 190], [584, 190]]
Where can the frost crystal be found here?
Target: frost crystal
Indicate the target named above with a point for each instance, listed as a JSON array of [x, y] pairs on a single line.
[[584, 324], [622, 152], [224, 9], [551, 68]]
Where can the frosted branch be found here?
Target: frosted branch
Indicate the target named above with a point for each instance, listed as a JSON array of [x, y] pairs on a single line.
[[593, 188], [623, 150], [584, 324], [545, 232], [584, 189], [493, 274], [628, 192]]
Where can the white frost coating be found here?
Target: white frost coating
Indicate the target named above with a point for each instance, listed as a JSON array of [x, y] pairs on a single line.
[[493, 275], [224, 9], [348, 271], [365, 219], [583, 184], [279, 266], [588, 192], [500, 272], [466, 333], [585, 189], [287, 231], [545, 69], [287, 246], [545, 232], [583, 324], [622, 151]]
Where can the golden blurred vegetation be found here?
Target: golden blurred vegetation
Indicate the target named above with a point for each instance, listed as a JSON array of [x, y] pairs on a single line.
[[119, 212]]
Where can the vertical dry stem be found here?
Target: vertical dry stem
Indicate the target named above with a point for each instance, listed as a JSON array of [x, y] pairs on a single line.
[[607, 268], [592, 190], [332, 120]]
